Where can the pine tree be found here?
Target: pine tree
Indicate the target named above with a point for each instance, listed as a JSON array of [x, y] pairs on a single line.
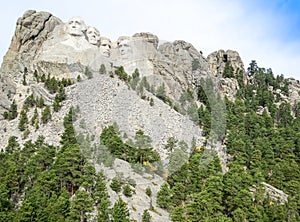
[[135, 79], [24, 76], [36, 75], [127, 191], [120, 212], [68, 136], [146, 216], [101, 197], [13, 111], [46, 115], [81, 204], [164, 196], [102, 69], [161, 93], [40, 102], [5, 202], [148, 192], [59, 209], [228, 71], [116, 185], [23, 120], [13, 145], [56, 105], [88, 73]]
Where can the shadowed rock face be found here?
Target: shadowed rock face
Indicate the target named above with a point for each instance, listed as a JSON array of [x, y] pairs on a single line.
[[32, 29], [93, 35], [105, 46], [218, 59]]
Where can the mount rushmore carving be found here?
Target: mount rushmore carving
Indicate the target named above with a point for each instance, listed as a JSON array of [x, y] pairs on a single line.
[[74, 41], [42, 40]]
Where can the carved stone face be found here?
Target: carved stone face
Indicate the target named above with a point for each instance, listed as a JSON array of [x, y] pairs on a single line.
[[105, 46], [124, 47], [75, 26], [93, 35]]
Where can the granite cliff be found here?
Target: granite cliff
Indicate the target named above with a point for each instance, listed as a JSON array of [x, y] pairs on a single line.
[[136, 82]]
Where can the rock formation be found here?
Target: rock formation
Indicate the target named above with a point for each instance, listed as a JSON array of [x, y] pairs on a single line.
[[43, 45], [32, 29]]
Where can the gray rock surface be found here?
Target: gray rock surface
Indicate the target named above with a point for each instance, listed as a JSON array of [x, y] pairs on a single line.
[[31, 31], [104, 100], [218, 59], [42, 43], [275, 194]]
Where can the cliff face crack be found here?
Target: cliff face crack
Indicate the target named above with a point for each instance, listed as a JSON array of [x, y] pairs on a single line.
[[37, 30]]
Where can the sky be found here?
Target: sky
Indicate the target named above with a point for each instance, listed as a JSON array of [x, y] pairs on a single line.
[[267, 31]]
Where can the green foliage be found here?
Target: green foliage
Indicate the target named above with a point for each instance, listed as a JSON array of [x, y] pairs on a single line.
[[120, 72], [127, 191], [59, 97], [36, 75], [40, 102], [212, 116], [68, 136], [24, 76], [148, 192], [116, 185], [252, 68], [164, 196], [26, 133], [12, 145], [23, 120], [146, 216], [12, 113], [120, 212], [151, 102], [5, 204], [138, 152], [177, 158], [102, 69], [46, 115], [135, 79], [57, 183], [145, 84], [78, 78], [104, 156], [80, 205], [30, 101], [228, 71], [43, 78], [186, 96], [101, 197], [88, 73], [161, 93]]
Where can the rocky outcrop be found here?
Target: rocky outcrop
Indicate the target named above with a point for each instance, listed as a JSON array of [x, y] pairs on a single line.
[[275, 194], [229, 87], [32, 30], [104, 100], [139, 201], [294, 91], [217, 62], [218, 59], [181, 66]]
